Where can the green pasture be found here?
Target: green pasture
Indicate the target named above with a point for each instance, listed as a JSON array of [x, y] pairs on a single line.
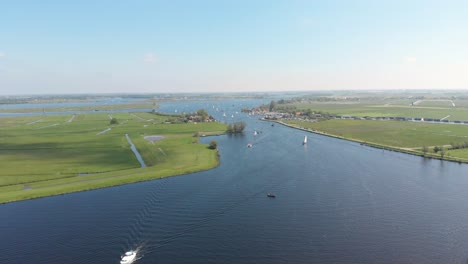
[[461, 103], [391, 133], [144, 104], [436, 103], [460, 153], [384, 109], [49, 155]]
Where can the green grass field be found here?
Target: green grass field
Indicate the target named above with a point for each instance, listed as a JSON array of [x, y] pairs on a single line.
[[427, 109], [143, 104], [436, 103], [398, 134], [50, 155]]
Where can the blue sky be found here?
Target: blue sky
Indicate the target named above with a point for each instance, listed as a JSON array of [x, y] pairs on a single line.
[[205, 46]]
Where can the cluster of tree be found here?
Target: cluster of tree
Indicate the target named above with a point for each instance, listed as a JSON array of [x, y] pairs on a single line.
[[317, 114], [436, 149], [200, 115], [236, 127], [286, 108], [268, 107], [114, 121], [425, 150], [439, 150], [213, 145], [272, 106], [459, 145]]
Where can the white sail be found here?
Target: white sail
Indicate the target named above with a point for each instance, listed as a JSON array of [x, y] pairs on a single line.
[[305, 140]]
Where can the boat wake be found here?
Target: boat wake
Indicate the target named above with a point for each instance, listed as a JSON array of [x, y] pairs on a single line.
[[133, 255], [152, 207], [148, 211], [213, 216]]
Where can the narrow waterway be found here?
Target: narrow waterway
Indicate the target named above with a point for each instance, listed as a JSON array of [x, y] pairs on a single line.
[[336, 202], [135, 151]]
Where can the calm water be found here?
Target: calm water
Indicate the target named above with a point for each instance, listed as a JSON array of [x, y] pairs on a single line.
[[337, 202]]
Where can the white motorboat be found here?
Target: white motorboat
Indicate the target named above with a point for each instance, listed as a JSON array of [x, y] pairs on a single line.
[[129, 257]]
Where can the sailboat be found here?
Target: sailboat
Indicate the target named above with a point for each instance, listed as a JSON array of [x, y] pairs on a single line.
[[255, 133], [305, 140]]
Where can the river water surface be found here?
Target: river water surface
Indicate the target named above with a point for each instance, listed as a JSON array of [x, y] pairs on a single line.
[[336, 202]]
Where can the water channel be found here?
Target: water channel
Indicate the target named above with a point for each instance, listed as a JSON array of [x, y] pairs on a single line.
[[336, 202]]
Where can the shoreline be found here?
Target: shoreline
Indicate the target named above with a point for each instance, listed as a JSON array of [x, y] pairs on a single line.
[[374, 145], [56, 166], [127, 179]]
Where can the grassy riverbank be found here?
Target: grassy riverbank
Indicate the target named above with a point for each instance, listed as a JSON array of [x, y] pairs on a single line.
[[50, 155], [407, 137]]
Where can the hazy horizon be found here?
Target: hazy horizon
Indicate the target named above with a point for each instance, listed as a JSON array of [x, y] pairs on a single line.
[[240, 46], [216, 92]]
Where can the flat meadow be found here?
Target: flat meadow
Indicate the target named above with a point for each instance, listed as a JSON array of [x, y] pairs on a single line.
[[389, 108], [396, 134], [54, 154], [404, 136]]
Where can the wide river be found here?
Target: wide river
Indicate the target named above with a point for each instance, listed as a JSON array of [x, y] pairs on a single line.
[[336, 202]]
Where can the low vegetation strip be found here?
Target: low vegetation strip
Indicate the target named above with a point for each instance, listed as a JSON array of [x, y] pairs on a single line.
[[50, 160], [408, 137]]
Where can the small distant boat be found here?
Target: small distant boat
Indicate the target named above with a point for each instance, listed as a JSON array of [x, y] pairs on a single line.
[[129, 257], [255, 133], [271, 195], [272, 124], [249, 145], [224, 114], [305, 140]]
